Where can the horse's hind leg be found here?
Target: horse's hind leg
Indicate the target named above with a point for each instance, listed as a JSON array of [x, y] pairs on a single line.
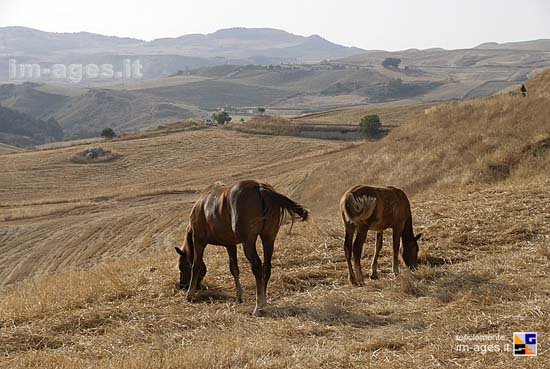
[[374, 263], [357, 252], [268, 242], [348, 242], [196, 269], [234, 267], [256, 264]]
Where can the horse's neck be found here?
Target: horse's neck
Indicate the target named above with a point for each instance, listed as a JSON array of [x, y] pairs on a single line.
[[408, 233]]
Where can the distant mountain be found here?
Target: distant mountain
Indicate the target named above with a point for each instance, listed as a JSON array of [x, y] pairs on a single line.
[[534, 45], [251, 42], [27, 41], [234, 45]]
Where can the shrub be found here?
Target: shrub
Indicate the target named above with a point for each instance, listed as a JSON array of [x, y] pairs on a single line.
[[108, 133], [221, 117], [370, 126]]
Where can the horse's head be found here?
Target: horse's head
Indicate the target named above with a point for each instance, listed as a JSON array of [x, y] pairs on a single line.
[[186, 254], [410, 251], [185, 259]]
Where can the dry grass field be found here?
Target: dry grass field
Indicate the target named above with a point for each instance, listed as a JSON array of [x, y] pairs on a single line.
[[391, 114], [90, 279]]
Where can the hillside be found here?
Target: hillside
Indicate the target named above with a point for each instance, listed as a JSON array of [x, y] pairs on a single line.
[[4, 149], [22, 130], [452, 144], [84, 113], [90, 274], [534, 45]]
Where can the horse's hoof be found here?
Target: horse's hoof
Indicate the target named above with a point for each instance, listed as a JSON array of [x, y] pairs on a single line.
[[258, 312], [239, 300], [374, 276], [189, 298]]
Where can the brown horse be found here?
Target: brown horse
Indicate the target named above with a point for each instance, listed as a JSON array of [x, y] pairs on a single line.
[[227, 216], [372, 208]]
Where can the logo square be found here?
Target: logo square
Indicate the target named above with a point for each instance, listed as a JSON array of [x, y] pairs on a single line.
[[525, 343]]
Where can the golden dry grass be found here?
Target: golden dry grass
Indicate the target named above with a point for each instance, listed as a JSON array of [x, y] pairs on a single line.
[[391, 114], [451, 145], [128, 313], [94, 246], [57, 214]]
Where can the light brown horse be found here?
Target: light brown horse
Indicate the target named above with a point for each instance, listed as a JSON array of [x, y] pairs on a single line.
[[227, 216], [367, 208]]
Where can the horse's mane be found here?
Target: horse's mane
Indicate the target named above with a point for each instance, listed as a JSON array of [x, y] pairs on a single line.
[[359, 204]]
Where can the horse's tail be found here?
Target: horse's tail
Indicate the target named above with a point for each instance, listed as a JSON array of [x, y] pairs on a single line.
[[272, 199], [357, 206]]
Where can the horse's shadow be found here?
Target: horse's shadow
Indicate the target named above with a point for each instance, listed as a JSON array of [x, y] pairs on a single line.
[[435, 261], [208, 294], [330, 315]]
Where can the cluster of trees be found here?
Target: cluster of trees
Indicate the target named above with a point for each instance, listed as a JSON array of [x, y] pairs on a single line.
[[391, 63]]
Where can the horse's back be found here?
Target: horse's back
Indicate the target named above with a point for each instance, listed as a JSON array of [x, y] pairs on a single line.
[[227, 215], [389, 205]]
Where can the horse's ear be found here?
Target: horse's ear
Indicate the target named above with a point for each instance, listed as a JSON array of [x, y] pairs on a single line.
[[417, 237], [179, 251]]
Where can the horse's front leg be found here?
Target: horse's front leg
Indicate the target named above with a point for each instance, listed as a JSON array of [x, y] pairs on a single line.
[[348, 242], [357, 252], [196, 268], [395, 262]]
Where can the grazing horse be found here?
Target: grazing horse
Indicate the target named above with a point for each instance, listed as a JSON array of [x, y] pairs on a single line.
[[366, 208], [229, 215]]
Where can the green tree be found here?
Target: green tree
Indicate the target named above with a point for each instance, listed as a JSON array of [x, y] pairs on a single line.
[[221, 117], [370, 126], [394, 88], [261, 111], [108, 133]]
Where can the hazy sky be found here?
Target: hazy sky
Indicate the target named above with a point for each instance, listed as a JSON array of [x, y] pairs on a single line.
[[389, 25]]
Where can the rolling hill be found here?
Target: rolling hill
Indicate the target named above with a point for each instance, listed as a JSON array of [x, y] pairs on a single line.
[[224, 70], [83, 113], [19, 129]]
